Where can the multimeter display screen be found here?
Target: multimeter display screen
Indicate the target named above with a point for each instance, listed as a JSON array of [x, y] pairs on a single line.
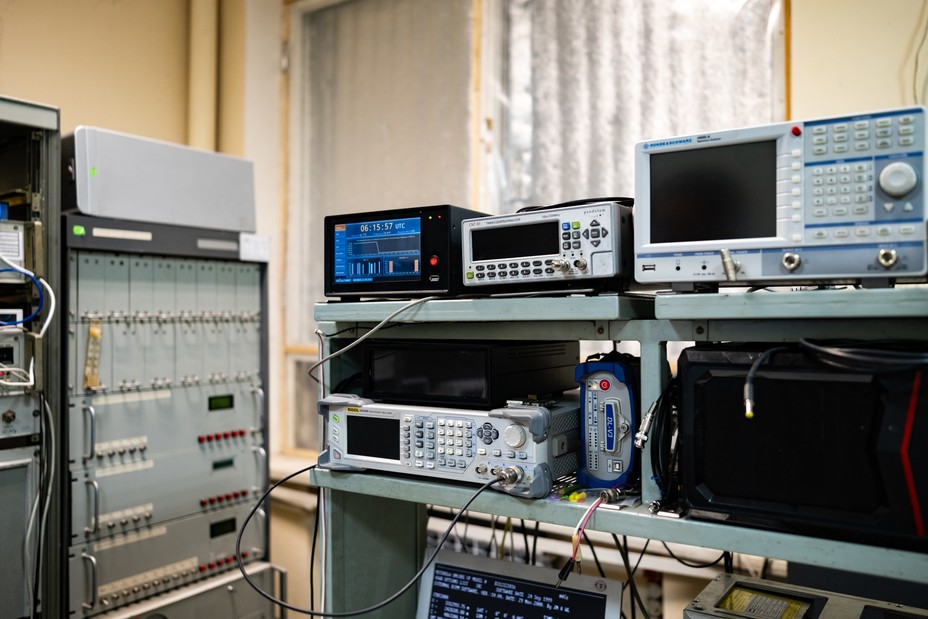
[[716, 193], [378, 251], [504, 242]]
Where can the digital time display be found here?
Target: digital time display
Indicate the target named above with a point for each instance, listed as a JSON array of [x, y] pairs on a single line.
[[378, 251]]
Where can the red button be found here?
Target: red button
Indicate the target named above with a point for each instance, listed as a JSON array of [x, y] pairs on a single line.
[[202, 568], [218, 436], [220, 498], [227, 435], [604, 385], [212, 500], [229, 560], [212, 565], [203, 502], [433, 261], [201, 439], [244, 554], [796, 131], [209, 437], [229, 496]]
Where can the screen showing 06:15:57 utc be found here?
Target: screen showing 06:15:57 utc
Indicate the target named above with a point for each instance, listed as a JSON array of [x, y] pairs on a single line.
[[377, 251]]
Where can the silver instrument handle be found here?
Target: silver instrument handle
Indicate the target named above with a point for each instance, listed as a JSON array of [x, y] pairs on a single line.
[[95, 522], [93, 582], [92, 432]]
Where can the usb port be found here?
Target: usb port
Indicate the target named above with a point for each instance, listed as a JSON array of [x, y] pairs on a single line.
[[648, 267]]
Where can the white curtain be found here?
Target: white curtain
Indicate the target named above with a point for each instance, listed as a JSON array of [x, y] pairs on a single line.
[[586, 80]]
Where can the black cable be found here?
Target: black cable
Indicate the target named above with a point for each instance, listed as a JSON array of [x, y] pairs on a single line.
[[729, 562], [44, 483], [535, 542], [632, 585], [752, 372], [692, 565], [493, 541], [877, 356], [312, 555], [764, 568], [662, 430], [599, 566], [524, 538], [641, 556], [350, 613]]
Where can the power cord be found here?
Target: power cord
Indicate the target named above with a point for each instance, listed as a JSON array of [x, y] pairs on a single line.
[[350, 613]]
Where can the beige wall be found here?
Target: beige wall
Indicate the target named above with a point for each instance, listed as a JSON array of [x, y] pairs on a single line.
[[855, 55], [118, 65]]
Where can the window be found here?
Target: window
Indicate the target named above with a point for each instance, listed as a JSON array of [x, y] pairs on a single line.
[[586, 80], [496, 105]]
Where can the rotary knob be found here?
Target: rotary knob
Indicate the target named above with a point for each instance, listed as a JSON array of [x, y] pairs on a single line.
[[514, 436], [898, 179]]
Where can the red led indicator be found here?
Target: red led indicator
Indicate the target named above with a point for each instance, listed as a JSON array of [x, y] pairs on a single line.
[[796, 131], [433, 261], [604, 384]]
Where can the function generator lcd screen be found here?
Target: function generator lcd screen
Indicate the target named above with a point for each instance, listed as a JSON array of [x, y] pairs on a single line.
[[374, 437], [386, 250], [462, 592], [537, 239], [716, 193]]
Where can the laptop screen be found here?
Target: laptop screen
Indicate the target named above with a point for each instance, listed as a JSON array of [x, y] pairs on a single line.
[[459, 585]]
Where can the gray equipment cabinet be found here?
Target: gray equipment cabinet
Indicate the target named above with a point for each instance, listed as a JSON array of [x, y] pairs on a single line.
[[164, 376], [374, 522], [29, 208]]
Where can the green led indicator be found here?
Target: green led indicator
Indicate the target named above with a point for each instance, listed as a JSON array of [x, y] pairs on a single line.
[[93, 171], [336, 418], [79, 230]]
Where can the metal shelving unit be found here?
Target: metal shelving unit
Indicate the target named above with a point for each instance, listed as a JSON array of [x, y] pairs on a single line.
[[367, 510]]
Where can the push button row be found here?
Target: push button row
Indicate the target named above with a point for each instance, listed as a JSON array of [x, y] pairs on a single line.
[[221, 563], [228, 497], [221, 436]]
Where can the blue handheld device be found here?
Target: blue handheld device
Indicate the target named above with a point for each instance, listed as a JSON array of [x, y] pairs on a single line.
[[608, 419]]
